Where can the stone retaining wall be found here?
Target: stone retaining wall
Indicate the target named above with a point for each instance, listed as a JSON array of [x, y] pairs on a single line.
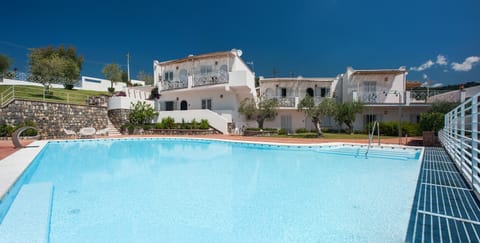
[[51, 118], [118, 117]]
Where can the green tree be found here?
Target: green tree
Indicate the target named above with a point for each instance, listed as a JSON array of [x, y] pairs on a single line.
[[141, 113], [55, 65], [431, 121], [265, 109], [112, 72], [5, 63], [346, 113], [327, 107], [144, 76], [124, 77], [443, 106]]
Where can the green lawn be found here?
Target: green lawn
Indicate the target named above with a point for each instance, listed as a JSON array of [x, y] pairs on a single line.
[[78, 97]]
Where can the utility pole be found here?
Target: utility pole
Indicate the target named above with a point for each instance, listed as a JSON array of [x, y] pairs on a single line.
[[128, 67]]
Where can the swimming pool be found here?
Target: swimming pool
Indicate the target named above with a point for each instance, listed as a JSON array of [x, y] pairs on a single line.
[[187, 190]]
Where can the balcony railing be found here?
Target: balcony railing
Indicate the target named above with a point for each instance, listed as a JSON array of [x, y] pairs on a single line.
[[170, 85], [381, 97], [421, 96], [220, 77], [284, 101]]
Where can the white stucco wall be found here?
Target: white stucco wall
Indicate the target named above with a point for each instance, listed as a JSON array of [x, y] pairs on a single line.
[[386, 84]]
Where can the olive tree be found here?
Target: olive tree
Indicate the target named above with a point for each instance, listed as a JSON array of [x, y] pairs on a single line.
[[144, 76], [113, 73], [264, 109], [346, 113], [316, 112], [55, 65], [5, 63]]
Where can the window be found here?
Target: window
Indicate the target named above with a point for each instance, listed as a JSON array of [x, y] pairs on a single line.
[[183, 76], [205, 69], [324, 92], [169, 105], [369, 94], [168, 76], [207, 104], [284, 92]]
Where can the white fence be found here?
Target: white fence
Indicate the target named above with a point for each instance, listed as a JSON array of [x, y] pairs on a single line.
[[460, 139]]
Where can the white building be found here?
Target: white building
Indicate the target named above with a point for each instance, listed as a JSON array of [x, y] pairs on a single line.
[[289, 92], [99, 84], [383, 91], [211, 86], [208, 86]]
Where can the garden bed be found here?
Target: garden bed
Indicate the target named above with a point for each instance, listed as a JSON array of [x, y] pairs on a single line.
[[255, 133]]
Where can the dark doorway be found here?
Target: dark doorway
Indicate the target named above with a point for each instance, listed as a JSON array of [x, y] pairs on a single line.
[[310, 92], [183, 105]]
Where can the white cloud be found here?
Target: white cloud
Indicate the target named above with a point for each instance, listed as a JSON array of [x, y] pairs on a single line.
[[424, 84], [445, 70], [467, 65], [425, 76], [441, 60], [436, 85], [424, 66]]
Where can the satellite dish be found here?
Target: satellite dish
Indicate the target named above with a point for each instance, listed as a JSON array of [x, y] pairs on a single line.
[[239, 53]]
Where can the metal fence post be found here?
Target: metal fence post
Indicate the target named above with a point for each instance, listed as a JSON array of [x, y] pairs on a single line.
[[474, 138], [462, 134]]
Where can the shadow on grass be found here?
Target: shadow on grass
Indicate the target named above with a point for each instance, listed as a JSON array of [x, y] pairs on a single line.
[[50, 97]]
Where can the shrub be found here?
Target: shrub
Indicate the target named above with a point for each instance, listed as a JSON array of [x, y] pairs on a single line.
[[390, 128], [282, 131], [6, 130], [158, 125], [253, 129], [204, 124], [431, 121], [141, 113], [127, 128], [305, 135], [28, 132], [270, 129], [301, 130], [194, 124], [168, 123]]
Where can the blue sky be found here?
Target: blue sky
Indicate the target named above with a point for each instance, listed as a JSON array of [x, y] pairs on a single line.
[[435, 40]]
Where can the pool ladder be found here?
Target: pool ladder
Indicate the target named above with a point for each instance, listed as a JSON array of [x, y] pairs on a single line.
[[370, 136]]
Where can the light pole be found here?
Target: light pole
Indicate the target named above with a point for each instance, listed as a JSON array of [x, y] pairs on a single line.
[[128, 67]]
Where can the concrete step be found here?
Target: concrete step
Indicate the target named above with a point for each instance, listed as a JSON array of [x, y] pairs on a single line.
[[112, 130], [28, 219]]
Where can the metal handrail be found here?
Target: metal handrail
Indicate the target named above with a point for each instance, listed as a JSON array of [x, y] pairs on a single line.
[[370, 136], [460, 139], [7, 96]]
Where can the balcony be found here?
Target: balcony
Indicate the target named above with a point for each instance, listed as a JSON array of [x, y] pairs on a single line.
[[284, 101], [171, 85], [212, 78], [382, 97]]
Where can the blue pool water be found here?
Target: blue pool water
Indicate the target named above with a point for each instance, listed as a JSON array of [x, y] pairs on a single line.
[[178, 190]]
